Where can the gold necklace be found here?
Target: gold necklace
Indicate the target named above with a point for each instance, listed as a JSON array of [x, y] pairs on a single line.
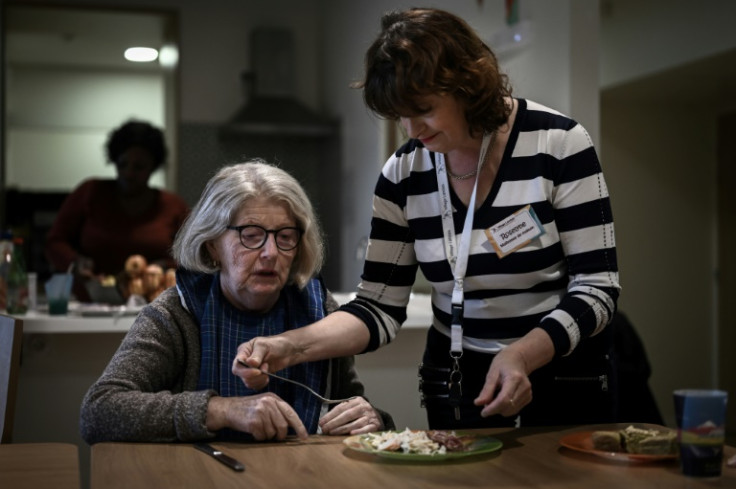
[[470, 174]]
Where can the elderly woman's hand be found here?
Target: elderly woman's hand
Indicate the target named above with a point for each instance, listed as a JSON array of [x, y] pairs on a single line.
[[352, 417], [265, 416]]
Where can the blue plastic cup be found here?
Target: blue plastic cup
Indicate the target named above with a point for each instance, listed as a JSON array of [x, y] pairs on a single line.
[[701, 430], [58, 290]]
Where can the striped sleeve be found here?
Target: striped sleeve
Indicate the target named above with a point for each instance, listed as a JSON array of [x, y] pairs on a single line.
[[584, 220], [390, 268]]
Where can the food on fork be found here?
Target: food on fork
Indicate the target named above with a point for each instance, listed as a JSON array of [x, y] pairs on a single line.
[[644, 441]]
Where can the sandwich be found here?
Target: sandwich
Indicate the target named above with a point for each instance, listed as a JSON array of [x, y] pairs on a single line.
[[636, 440], [607, 441]]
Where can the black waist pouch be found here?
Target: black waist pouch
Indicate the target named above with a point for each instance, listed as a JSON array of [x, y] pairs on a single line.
[[577, 389]]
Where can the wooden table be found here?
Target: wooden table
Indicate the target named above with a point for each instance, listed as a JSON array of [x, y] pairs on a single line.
[[39, 465], [530, 458], [64, 355]]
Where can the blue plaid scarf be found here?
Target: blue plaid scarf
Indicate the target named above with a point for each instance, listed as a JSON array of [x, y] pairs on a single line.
[[223, 327]]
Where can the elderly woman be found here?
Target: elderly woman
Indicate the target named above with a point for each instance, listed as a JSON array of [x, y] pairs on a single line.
[[248, 254]]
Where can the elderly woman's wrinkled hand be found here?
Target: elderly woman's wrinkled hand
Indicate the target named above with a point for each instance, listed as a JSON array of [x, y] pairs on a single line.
[[265, 416], [352, 417]]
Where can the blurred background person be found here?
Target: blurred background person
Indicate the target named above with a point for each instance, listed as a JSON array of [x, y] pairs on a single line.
[[249, 256], [103, 222]]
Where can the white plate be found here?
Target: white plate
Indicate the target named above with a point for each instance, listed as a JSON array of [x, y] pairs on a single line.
[[104, 310]]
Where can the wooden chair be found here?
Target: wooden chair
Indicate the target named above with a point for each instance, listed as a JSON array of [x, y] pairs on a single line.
[[11, 336]]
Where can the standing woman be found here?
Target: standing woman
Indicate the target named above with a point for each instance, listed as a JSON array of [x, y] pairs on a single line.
[[502, 203], [103, 221]]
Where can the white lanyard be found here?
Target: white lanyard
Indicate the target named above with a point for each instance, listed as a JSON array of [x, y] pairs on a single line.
[[459, 260]]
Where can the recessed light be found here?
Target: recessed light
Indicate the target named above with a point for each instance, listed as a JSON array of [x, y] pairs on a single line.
[[168, 57], [141, 54]]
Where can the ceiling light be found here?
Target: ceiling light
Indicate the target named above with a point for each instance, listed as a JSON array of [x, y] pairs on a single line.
[[512, 38], [169, 56], [141, 54]]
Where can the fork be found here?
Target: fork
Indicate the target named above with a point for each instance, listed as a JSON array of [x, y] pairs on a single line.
[[312, 391]]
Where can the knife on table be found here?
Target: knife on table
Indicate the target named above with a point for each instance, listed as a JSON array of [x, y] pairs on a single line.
[[221, 457]]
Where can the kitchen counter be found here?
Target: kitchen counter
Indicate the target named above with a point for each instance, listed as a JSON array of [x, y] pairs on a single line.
[[419, 315]]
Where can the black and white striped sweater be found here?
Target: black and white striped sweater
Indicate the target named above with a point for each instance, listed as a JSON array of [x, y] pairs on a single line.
[[565, 281]]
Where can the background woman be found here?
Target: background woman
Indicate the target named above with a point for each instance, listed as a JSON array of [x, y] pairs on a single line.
[[103, 222]]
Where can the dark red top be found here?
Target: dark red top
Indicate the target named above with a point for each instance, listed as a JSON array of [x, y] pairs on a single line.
[[91, 223]]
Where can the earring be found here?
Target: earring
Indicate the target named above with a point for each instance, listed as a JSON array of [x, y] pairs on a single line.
[[215, 263]]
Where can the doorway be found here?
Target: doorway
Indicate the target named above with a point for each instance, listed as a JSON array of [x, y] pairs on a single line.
[[726, 275], [65, 86]]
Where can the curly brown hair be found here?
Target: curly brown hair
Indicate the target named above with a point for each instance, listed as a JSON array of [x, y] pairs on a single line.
[[424, 51], [137, 133]]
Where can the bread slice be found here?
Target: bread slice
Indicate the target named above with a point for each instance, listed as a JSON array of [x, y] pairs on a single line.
[[659, 444], [607, 441], [648, 441]]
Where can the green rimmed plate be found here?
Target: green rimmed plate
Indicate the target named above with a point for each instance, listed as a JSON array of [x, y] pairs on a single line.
[[474, 445]]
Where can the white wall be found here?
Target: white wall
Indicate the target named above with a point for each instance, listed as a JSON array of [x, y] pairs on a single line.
[[659, 155], [642, 38], [55, 128], [215, 51], [661, 174]]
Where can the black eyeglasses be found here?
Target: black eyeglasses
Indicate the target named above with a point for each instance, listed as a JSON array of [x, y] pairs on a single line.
[[253, 236]]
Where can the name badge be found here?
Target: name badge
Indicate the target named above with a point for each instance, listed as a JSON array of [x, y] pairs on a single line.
[[515, 231]]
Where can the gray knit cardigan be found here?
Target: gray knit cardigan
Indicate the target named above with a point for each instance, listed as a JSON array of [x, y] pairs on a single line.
[[147, 392]]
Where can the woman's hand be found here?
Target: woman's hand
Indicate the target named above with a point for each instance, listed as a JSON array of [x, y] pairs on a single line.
[[507, 389], [270, 354], [265, 416], [84, 267], [339, 334], [352, 417]]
